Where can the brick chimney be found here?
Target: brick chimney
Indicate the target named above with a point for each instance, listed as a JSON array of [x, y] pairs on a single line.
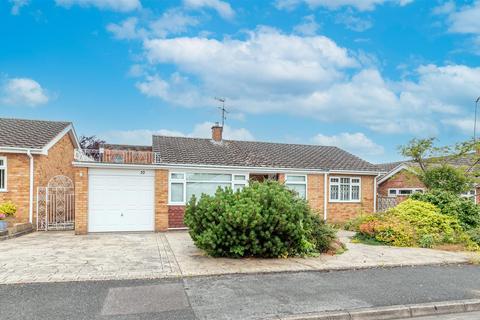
[[217, 131]]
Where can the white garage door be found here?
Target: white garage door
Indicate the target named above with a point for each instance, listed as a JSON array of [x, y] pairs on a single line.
[[120, 200]]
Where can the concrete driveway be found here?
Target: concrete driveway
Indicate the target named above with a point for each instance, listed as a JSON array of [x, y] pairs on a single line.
[[63, 256]]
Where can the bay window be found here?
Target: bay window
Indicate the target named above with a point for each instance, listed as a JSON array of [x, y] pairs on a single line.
[[297, 183], [345, 189], [185, 185], [3, 174]]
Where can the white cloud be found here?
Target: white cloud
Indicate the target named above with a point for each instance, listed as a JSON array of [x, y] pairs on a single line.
[[126, 30], [356, 143], [272, 72], [23, 91], [465, 125], [144, 136], [115, 5], [466, 19], [308, 26], [361, 5], [463, 20], [223, 8], [353, 22], [17, 5], [171, 22]]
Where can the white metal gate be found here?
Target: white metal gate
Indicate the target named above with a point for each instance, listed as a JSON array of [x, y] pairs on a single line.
[[56, 205]]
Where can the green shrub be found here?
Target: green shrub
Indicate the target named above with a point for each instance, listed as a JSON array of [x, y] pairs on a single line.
[[467, 212], [446, 178], [474, 235], [413, 223], [262, 220]]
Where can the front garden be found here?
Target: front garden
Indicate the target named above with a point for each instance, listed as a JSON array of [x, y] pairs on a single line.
[[438, 218]]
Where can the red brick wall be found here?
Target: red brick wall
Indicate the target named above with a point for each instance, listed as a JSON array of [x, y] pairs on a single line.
[[57, 162], [175, 216], [403, 179], [18, 184]]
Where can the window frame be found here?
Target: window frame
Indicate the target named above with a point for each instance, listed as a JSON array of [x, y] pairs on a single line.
[[184, 182], [469, 195], [305, 183], [397, 194], [359, 184], [4, 167]]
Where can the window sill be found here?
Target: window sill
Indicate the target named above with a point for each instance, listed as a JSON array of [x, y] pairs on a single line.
[[341, 201], [176, 204], [3, 190]]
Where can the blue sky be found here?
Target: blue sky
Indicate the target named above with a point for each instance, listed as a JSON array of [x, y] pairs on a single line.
[[365, 75]]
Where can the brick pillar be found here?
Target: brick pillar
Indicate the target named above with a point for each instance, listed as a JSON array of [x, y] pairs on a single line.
[[161, 200], [281, 177], [315, 192], [81, 200]]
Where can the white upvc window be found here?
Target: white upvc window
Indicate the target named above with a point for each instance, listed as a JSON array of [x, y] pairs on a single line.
[[345, 189], [403, 192], [471, 195], [184, 185], [298, 183], [3, 174]]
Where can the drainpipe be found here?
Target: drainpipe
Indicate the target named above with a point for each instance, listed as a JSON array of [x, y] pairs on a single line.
[[375, 194], [325, 194], [30, 209]]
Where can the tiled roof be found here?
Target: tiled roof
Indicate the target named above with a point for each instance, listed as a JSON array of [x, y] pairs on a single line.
[[33, 134], [179, 150]]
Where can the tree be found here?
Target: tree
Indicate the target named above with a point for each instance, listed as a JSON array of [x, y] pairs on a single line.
[[90, 142], [435, 170]]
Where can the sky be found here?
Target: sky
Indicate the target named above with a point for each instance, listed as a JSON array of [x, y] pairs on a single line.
[[363, 75]]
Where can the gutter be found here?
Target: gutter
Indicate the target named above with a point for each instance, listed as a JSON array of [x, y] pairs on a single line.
[[30, 208]]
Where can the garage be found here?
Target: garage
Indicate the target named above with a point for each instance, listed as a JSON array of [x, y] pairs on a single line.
[[121, 200]]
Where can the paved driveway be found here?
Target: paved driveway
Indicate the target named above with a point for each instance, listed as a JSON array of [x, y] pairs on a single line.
[[62, 256]]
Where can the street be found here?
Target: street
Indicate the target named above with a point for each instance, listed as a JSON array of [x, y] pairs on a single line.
[[239, 296]]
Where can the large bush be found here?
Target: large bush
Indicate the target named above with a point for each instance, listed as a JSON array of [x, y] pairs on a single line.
[[413, 223], [262, 220], [467, 212]]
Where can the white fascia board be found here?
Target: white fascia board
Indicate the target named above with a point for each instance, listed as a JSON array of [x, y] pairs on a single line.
[[20, 150], [193, 167], [361, 173], [393, 172]]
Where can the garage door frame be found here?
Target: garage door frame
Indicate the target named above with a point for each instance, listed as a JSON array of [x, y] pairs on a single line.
[[146, 178]]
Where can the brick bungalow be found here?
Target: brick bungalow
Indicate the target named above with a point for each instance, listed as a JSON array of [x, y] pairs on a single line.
[[145, 188], [398, 179], [31, 154]]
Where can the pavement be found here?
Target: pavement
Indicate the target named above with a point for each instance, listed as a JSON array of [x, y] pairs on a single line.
[[63, 256], [459, 316], [245, 296]]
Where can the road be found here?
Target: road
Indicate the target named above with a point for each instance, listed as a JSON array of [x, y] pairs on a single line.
[[239, 296]]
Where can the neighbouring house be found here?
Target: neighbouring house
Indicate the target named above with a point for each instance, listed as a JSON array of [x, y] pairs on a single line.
[[146, 188], [399, 180], [33, 155]]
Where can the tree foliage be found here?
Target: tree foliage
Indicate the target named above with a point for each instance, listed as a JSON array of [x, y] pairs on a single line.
[[434, 164], [90, 142]]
